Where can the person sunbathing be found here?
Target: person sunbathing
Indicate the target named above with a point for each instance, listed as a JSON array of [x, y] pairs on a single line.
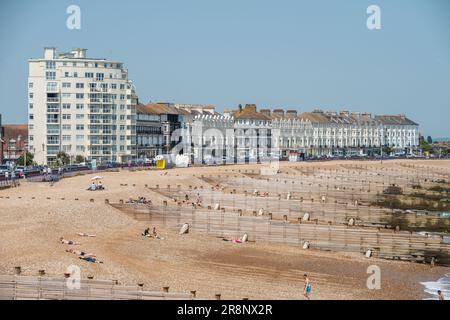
[[81, 234], [70, 242], [90, 259], [233, 240], [92, 187], [81, 253], [240, 240]]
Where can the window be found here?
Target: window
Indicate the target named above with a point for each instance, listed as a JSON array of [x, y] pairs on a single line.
[[31, 126], [80, 137], [80, 85], [66, 84], [66, 74], [50, 65], [113, 86], [52, 118], [86, 64], [66, 127], [31, 95], [66, 106], [80, 96], [89, 75], [75, 74], [65, 95], [31, 138], [64, 63], [52, 108], [122, 127], [31, 116], [80, 148], [52, 86], [122, 97], [30, 85], [122, 107], [80, 127], [30, 106], [74, 64], [122, 87], [66, 137], [66, 116], [80, 106], [99, 76], [50, 75], [80, 116]]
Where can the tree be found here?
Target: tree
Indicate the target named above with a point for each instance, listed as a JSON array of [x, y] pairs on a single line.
[[21, 160], [387, 150], [429, 140], [62, 158], [79, 159]]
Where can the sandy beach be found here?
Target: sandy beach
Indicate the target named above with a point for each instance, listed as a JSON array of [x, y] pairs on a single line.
[[35, 215]]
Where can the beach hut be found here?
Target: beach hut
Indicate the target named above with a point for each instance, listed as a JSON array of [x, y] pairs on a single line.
[[164, 161]]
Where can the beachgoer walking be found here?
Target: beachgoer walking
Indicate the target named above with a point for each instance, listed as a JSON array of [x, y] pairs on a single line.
[[7, 175], [307, 288], [440, 295]]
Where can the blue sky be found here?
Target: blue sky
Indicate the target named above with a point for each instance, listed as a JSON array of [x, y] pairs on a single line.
[[292, 54]]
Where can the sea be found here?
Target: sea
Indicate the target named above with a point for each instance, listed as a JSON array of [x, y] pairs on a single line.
[[431, 288]]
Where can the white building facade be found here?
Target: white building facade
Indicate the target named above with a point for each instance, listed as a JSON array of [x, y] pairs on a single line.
[[81, 106], [309, 134]]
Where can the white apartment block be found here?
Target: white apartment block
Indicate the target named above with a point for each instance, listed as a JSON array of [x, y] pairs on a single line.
[[82, 106]]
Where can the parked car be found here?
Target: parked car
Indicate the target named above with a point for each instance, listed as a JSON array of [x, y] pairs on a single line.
[[3, 169]]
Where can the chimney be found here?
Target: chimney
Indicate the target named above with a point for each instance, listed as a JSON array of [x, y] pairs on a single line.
[[278, 112], [265, 112], [291, 113], [49, 53], [250, 107]]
